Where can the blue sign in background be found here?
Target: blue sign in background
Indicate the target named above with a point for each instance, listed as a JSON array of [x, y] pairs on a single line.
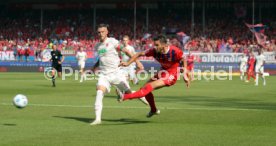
[[25, 66]]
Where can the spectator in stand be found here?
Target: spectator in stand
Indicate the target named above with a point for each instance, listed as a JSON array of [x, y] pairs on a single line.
[[27, 52], [15, 52], [38, 53]]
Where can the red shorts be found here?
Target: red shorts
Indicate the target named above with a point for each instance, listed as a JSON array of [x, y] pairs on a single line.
[[168, 78]]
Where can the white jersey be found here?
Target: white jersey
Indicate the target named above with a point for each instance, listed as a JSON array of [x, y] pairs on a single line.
[[260, 60], [108, 56], [243, 61], [125, 58], [81, 56]]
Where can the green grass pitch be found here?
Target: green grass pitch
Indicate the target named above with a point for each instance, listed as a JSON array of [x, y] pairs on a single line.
[[210, 113]]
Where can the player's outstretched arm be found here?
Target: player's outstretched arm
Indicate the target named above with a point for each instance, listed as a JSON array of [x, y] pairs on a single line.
[[140, 66], [132, 59], [130, 55], [62, 59]]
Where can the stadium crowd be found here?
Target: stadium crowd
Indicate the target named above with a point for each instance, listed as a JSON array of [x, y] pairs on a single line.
[[21, 32]]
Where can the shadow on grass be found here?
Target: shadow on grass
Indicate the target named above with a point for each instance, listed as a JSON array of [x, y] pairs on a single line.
[[114, 121], [8, 124], [216, 102]]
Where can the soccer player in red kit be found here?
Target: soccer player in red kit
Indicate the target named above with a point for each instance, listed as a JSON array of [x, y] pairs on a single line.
[[251, 67], [190, 66], [169, 57]]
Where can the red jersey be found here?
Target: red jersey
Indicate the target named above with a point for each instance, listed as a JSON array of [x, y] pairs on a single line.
[[251, 63], [190, 60], [169, 61]]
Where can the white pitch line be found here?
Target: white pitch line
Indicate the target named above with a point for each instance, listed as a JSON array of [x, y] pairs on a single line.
[[136, 107]]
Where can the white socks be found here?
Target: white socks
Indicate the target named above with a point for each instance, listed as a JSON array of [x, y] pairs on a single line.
[[264, 80], [242, 75], [99, 104], [257, 80]]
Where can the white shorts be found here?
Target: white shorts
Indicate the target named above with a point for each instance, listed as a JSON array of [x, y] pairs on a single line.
[[81, 64], [117, 79], [259, 69], [243, 68]]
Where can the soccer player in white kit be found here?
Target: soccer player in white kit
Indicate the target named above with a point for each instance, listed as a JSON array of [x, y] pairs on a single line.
[[81, 57], [243, 66], [109, 72], [130, 70], [259, 68]]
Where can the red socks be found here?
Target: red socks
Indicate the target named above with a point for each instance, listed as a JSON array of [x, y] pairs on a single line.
[[150, 99], [140, 93]]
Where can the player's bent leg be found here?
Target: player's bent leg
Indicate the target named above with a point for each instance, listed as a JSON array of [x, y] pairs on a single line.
[[59, 74], [153, 110]]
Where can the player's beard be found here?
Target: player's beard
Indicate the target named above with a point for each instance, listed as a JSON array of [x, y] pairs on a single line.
[[162, 50], [103, 38], [159, 50]]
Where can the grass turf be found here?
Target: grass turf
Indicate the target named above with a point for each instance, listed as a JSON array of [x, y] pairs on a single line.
[[209, 113]]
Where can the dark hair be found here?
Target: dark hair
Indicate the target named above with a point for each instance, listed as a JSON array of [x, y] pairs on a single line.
[[103, 25], [161, 38]]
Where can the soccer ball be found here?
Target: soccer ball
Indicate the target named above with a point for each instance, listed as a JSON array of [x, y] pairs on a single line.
[[20, 101]]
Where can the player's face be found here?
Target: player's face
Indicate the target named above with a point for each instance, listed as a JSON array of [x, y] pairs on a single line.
[[54, 47], [125, 41], [102, 33], [158, 46]]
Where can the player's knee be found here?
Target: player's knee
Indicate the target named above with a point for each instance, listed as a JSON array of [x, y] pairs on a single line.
[[101, 88]]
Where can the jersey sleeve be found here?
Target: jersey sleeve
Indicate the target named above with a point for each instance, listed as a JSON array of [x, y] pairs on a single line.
[[115, 42], [149, 52], [132, 50], [179, 54], [264, 58]]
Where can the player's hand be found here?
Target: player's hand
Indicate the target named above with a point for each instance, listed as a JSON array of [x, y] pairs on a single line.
[[124, 64], [59, 62]]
